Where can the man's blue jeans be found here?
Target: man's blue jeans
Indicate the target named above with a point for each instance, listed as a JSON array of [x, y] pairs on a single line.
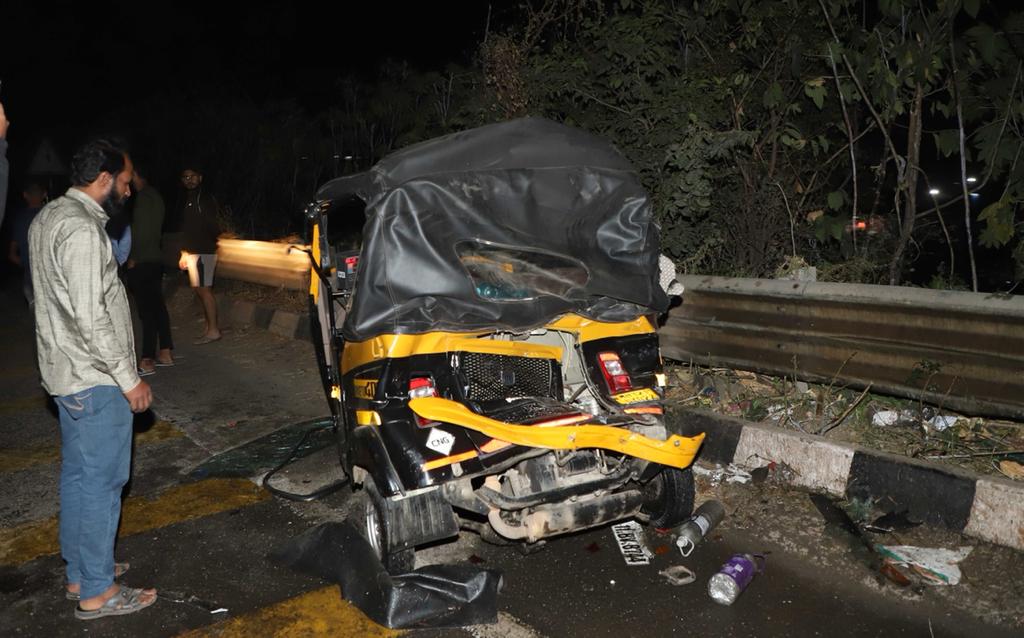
[[96, 439]]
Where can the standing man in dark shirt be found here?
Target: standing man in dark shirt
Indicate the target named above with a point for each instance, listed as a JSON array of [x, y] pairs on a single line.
[[201, 227], [35, 197], [144, 276], [3, 161]]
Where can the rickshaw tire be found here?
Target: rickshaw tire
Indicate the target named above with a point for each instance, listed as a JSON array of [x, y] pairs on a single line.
[[669, 498], [395, 560]]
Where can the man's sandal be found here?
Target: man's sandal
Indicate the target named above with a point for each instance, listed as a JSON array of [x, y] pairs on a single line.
[[119, 570], [125, 601]]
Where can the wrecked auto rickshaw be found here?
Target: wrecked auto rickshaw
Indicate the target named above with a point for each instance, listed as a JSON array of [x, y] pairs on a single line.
[[489, 353]]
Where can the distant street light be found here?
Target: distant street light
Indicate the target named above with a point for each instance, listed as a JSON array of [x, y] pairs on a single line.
[[933, 192], [975, 195], [971, 180]]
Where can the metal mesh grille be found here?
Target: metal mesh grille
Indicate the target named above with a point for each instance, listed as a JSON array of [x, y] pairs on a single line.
[[532, 410], [498, 376]]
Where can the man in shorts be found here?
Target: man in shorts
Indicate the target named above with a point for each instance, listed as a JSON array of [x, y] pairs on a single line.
[[201, 226]]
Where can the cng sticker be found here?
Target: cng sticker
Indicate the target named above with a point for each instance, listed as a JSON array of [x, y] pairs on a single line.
[[440, 441]]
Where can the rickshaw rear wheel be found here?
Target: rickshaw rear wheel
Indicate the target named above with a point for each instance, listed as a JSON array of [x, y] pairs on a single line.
[[668, 497], [375, 525]]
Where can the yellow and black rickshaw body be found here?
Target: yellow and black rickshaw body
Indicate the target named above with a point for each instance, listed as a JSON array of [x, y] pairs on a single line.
[[489, 352]]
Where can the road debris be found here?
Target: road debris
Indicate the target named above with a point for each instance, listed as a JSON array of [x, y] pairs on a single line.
[[678, 575], [937, 566], [435, 596], [734, 576], [942, 422], [891, 571], [892, 522], [834, 515], [693, 531], [730, 474], [630, 538], [886, 418], [190, 599], [775, 473]]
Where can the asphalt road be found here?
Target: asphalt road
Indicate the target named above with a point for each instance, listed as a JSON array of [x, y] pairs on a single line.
[[195, 523]]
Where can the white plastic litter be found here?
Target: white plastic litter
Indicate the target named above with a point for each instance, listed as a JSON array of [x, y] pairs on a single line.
[[885, 418], [937, 564], [943, 422], [730, 474], [736, 475], [678, 575]]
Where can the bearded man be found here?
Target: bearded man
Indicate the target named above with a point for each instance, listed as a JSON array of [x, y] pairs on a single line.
[[87, 362]]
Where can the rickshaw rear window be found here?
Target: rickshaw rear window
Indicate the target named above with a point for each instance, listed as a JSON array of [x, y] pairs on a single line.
[[506, 273]]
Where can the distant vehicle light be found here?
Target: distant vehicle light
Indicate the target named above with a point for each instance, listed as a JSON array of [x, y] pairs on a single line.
[[971, 180], [975, 194], [933, 191]]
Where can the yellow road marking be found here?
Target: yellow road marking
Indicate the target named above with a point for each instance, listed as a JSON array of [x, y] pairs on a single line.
[[161, 431], [15, 460], [20, 459], [26, 542], [321, 612], [24, 403]]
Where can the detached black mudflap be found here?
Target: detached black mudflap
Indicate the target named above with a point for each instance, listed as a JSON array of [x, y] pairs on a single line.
[[420, 518]]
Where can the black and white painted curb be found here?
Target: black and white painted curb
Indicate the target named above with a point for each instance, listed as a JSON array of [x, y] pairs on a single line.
[[284, 323], [991, 509], [988, 508]]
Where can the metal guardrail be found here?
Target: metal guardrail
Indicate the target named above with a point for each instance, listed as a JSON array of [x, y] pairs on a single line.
[[960, 350], [263, 262]]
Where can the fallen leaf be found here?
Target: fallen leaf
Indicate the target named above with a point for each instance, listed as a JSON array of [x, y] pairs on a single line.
[[1012, 469]]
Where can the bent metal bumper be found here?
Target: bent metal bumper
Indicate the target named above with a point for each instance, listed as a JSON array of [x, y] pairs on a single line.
[[676, 451]]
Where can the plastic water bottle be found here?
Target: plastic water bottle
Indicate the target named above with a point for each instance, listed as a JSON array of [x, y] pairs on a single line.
[[693, 531], [734, 576]]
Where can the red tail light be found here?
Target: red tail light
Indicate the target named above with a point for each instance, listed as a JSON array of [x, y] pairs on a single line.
[[421, 388], [614, 372]]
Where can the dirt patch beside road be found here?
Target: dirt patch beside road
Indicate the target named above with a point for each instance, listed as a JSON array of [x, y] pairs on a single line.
[[897, 426], [786, 517]]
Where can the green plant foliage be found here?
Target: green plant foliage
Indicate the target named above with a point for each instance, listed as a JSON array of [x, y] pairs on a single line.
[[829, 226], [733, 112], [999, 223]]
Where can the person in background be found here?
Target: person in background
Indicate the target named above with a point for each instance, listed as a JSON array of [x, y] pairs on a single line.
[[86, 358], [201, 226], [119, 230], [144, 276], [35, 197], [4, 168]]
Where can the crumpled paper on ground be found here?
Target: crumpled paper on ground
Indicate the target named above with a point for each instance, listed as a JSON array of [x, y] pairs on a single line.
[[937, 564]]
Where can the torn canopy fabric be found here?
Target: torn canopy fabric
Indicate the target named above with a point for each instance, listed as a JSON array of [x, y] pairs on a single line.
[[431, 596], [502, 227]]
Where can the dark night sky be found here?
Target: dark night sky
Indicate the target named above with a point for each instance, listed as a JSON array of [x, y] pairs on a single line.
[[66, 65]]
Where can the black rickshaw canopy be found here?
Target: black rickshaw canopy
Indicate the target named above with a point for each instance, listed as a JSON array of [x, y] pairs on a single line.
[[502, 227]]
